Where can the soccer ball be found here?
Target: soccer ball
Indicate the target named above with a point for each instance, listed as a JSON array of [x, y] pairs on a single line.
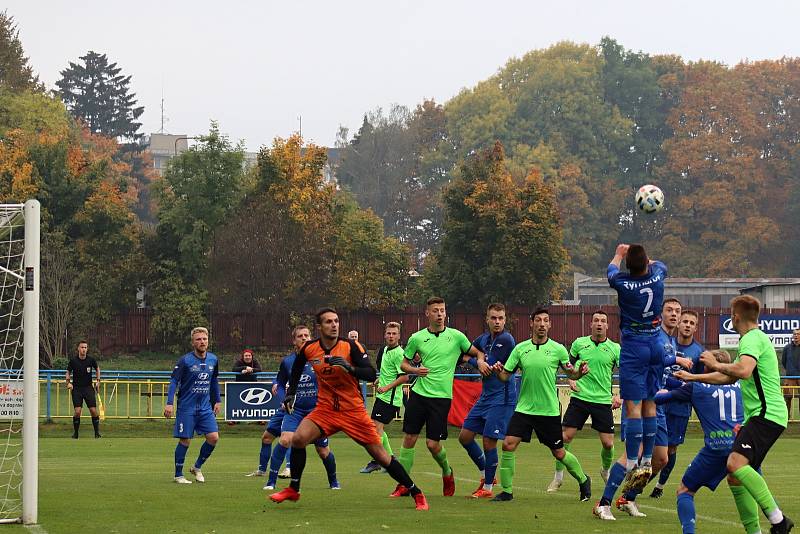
[[649, 198]]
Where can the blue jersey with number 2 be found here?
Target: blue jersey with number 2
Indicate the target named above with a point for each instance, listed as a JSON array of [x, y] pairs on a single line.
[[640, 298]]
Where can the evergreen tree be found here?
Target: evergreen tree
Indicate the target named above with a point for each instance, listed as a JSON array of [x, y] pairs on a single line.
[[15, 73]]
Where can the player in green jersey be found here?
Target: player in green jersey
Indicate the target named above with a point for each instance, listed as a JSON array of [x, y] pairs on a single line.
[[439, 349], [765, 417], [388, 388], [537, 409], [594, 396]]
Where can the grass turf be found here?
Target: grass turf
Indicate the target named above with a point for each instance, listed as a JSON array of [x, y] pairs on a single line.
[[123, 483]]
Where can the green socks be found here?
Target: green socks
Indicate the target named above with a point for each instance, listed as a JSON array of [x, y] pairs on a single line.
[[406, 459], [607, 457], [441, 459], [757, 487], [559, 465], [508, 461], [747, 507], [386, 445], [572, 464]]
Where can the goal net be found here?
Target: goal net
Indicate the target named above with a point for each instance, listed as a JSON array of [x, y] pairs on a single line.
[[19, 361]]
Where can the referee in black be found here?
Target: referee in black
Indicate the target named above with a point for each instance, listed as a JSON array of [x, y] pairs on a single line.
[[79, 381]]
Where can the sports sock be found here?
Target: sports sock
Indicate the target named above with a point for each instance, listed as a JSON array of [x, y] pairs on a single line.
[[386, 445], [649, 429], [632, 494], [441, 459], [686, 512], [263, 456], [560, 466], [572, 464], [288, 457], [278, 454], [747, 508], [663, 476], [606, 457], [298, 465], [96, 424], [615, 478], [633, 439], [205, 451], [400, 475], [180, 458], [491, 468], [757, 487], [508, 461], [406, 459], [76, 423], [476, 454], [330, 467]]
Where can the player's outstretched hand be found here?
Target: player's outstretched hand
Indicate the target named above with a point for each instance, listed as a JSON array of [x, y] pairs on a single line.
[[484, 368], [338, 361], [622, 250], [421, 371], [288, 404], [708, 360], [168, 411], [686, 376], [573, 386], [584, 369], [497, 367], [686, 363], [616, 402]]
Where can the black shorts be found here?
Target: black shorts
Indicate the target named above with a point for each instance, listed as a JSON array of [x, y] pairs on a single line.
[[383, 412], [547, 428], [756, 438], [430, 412], [84, 393], [579, 411]]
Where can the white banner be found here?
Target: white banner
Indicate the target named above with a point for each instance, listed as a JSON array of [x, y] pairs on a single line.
[[731, 341], [11, 399]]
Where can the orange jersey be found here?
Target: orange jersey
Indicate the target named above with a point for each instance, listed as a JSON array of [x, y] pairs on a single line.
[[337, 389]]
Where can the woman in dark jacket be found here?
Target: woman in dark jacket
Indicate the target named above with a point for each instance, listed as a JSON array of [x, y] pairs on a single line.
[[246, 367]]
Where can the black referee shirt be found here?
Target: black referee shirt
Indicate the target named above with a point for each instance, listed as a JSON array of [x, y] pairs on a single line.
[[81, 370]]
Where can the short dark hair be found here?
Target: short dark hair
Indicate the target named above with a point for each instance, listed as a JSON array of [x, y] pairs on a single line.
[[496, 306], [672, 299], [599, 312], [82, 341], [321, 312], [747, 306], [540, 311], [692, 313], [434, 300], [299, 327], [636, 259]]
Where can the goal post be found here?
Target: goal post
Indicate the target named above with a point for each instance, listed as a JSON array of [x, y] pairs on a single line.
[[19, 361]]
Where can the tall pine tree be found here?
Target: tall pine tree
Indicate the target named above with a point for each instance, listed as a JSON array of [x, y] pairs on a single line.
[[15, 73]]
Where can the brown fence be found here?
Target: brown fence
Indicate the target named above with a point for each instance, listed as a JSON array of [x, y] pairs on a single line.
[[130, 332]]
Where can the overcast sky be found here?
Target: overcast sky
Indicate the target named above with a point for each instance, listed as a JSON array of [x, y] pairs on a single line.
[[256, 66]]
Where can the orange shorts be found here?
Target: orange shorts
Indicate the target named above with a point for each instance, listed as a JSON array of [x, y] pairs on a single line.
[[354, 423]]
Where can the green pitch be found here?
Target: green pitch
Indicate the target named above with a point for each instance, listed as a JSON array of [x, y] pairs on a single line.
[[123, 483]]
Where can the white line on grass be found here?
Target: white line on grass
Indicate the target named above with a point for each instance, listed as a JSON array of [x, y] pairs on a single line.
[[646, 506], [36, 529]]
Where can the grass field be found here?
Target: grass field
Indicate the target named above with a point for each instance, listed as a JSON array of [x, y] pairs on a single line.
[[123, 483]]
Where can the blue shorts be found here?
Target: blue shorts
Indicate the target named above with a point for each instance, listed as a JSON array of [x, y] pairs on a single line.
[[187, 424], [707, 469], [640, 367], [275, 423], [490, 421], [662, 437], [676, 429], [292, 421]]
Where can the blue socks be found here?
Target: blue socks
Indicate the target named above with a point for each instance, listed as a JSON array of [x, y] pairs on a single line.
[[663, 476], [330, 467], [279, 452], [649, 428], [180, 458], [263, 456], [615, 478], [205, 451], [491, 466], [686, 512], [288, 457], [476, 454], [633, 439]]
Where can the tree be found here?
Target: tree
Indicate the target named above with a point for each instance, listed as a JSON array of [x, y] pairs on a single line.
[[502, 242], [15, 73], [96, 93]]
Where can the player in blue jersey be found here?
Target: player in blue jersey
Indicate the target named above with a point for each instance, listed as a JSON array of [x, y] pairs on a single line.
[[490, 415], [640, 293], [195, 379], [677, 412], [720, 410]]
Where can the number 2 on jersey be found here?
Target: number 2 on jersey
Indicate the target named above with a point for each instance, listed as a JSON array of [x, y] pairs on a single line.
[[647, 312], [721, 395]]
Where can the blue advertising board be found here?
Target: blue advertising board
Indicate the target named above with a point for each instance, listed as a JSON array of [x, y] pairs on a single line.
[[250, 401], [778, 327]]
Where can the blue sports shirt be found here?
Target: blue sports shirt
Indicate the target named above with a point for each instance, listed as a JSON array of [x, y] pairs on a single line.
[[494, 390], [196, 381], [693, 351], [640, 298], [306, 394], [719, 408]]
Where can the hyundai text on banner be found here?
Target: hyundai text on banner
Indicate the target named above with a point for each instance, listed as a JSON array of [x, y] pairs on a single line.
[[11, 399], [777, 327], [249, 401]]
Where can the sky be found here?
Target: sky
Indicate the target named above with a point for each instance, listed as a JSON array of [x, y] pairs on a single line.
[[257, 66]]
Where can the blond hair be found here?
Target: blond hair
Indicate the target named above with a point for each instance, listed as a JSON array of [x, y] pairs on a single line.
[[199, 330]]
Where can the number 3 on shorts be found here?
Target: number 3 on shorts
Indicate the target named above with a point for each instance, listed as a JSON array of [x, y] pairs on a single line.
[[180, 427]]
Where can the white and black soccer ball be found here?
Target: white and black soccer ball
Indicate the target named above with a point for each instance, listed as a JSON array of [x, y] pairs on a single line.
[[649, 198]]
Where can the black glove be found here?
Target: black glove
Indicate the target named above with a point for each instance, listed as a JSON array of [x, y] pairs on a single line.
[[340, 362], [288, 404]]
